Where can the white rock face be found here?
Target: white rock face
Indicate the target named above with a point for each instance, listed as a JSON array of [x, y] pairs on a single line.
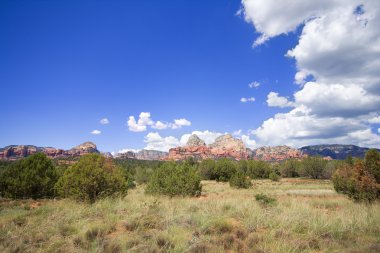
[[195, 141], [228, 142]]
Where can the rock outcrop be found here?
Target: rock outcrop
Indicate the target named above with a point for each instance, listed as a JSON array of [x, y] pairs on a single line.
[[224, 146], [195, 141], [150, 155], [335, 151], [15, 152], [277, 153], [143, 154]]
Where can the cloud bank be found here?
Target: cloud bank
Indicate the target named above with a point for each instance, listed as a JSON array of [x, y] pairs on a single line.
[[339, 49]]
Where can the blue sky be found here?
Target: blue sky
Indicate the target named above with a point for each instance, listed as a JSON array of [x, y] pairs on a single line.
[[65, 65]]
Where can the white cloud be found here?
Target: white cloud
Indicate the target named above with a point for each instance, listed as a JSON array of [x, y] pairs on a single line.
[[160, 125], [182, 122], [146, 121], [96, 132], [339, 49], [249, 143], [374, 120], [254, 85], [274, 100], [208, 136], [246, 100], [134, 126], [125, 150], [378, 130], [104, 121], [337, 99], [154, 141]]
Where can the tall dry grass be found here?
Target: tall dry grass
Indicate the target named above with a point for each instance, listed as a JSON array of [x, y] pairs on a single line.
[[308, 216]]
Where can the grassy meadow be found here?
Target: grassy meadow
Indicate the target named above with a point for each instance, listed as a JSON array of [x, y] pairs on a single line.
[[307, 216]]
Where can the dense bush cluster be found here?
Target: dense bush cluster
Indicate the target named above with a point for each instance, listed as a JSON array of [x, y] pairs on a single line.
[[92, 177], [240, 180], [33, 177], [174, 179], [359, 179]]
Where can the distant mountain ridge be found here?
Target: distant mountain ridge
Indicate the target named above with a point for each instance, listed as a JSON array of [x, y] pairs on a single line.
[[15, 152], [335, 151], [143, 154], [224, 146]]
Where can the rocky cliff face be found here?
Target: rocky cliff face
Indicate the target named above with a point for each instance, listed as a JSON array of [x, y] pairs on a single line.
[[335, 151], [15, 152], [150, 155], [224, 146], [142, 155], [230, 147], [195, 141], [278, 153]]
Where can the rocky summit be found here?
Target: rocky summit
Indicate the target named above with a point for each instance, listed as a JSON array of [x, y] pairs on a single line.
[[230, 147], [224, 146], [143, 154], [195, 141], [15, 152], [277, 153]]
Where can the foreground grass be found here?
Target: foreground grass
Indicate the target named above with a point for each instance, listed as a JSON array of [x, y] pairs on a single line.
[[307, 217]]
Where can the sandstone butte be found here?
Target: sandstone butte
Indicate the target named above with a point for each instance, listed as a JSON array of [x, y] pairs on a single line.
[[226, 146], [16, 152]]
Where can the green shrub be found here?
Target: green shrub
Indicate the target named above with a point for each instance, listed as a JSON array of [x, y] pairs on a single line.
[[258, 169], [173, 179], [290, 168], [274, 176], [224, 169], [91, 178], [143, 175], [356, 181], [265, 200], [372, 163], [240, 180], [314, 167], [32, 177], [207, 169]]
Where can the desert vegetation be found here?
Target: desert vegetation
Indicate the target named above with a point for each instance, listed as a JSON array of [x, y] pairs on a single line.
[[99, 204]]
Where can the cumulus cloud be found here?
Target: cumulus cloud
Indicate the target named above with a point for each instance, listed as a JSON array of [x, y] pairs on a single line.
[[160, 125], [274, 100], [249, 143], [154, 141], [374, 120], [96, 132], [246, 100], [144, 121], [254, 85], [134, 126], [178, 123], [104, 121], [208, 136], [339, 50], [125, 150]]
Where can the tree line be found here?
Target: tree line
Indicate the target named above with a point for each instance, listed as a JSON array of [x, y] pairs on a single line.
[[94, 176]]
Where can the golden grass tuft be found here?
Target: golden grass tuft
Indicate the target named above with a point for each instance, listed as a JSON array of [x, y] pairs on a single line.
[[308, 217]]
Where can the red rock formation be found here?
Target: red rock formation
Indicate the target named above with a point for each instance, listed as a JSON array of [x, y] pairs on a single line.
[[278, 153], [17, 152], [224, 147]]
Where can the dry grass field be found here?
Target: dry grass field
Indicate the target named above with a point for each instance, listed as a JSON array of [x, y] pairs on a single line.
[[308, 216]]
